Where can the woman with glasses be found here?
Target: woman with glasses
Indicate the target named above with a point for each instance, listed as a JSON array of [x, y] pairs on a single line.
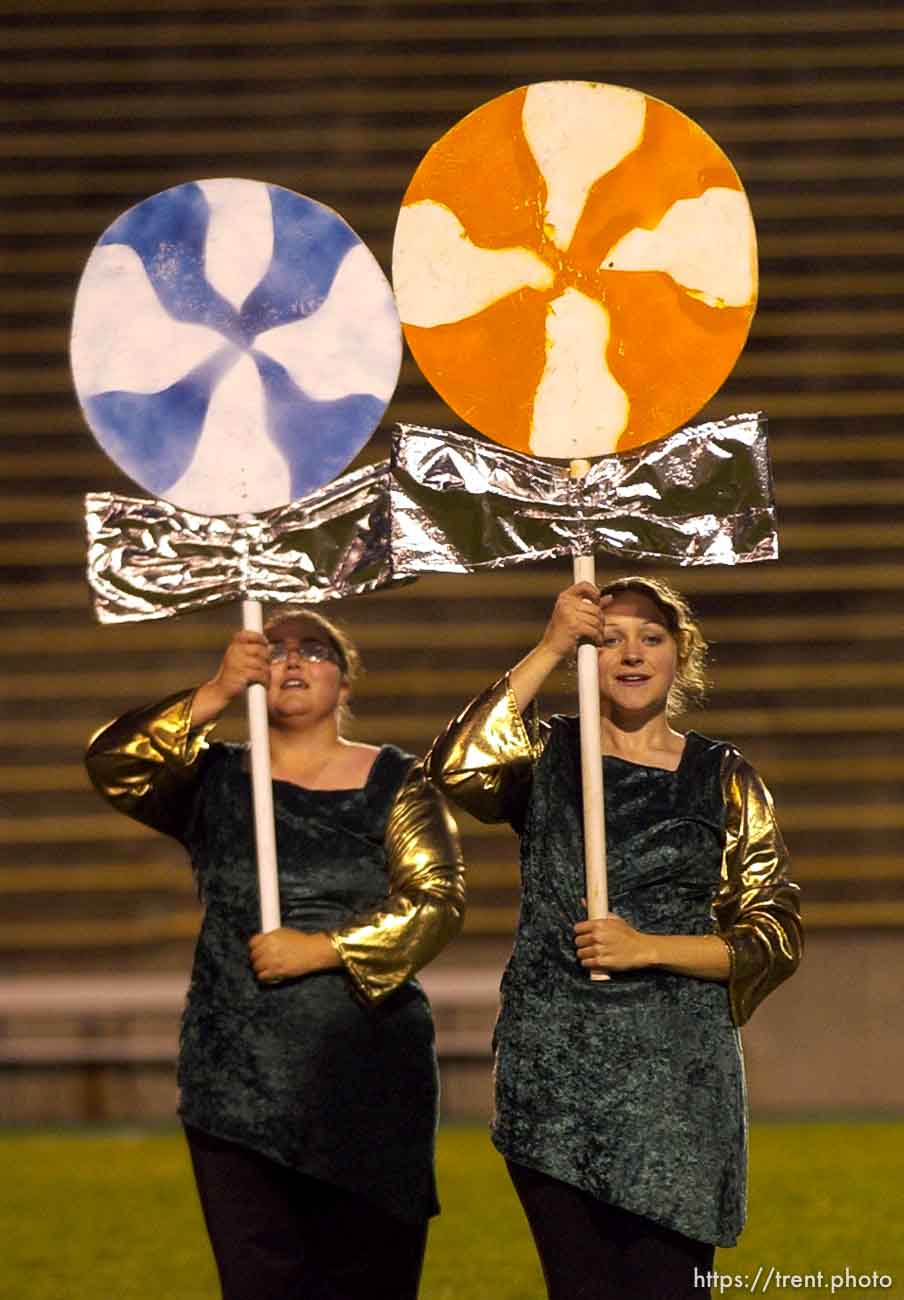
[[620, 1104], [307, 1069]]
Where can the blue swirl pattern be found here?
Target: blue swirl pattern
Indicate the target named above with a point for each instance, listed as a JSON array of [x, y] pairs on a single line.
[[153, 436]]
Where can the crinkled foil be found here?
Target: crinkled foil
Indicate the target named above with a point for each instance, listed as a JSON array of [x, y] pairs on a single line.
[[149, 559], [701, 496]]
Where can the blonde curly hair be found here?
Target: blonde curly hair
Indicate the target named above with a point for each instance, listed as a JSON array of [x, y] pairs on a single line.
[[691, 682]]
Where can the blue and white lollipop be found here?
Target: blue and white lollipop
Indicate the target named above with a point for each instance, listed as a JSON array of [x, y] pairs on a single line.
[[234, 345]]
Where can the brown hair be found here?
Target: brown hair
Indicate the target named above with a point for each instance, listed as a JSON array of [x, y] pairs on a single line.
[[335, 635], [691, 681]]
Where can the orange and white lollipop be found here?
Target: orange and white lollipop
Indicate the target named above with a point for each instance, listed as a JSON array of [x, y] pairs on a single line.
[[575, 268]]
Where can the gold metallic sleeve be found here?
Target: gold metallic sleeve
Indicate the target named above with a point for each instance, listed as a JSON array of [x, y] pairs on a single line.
[[425, 907], [484, 759], [757, 909], [146, 762]]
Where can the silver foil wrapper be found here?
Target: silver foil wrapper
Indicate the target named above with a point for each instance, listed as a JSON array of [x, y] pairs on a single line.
[[703, 495], [148, 559]]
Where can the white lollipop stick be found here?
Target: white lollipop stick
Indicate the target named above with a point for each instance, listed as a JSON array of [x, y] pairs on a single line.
[[591, 757], [262, 784], [592, 769]]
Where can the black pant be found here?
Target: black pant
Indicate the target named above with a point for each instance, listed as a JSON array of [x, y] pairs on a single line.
[[593, 1251], [280, 1235]]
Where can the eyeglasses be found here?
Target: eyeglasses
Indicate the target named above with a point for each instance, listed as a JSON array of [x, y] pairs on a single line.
[[314, 651]]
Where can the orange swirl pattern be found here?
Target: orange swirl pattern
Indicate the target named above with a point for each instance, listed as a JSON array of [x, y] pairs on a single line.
[[575, 267]]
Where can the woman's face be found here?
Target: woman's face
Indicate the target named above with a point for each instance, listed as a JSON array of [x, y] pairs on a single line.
[[306, 682], [639, 657]]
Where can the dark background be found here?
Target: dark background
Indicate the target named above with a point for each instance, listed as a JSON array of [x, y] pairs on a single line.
[[107, 103]]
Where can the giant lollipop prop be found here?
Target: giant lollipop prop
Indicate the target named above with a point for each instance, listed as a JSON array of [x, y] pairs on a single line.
[[234, 345], [575, 268]]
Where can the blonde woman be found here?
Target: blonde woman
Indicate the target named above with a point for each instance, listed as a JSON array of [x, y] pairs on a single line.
[[620, 1104]]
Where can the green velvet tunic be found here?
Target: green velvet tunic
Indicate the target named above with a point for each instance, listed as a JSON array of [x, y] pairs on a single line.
[[632, 1088], [305, 1072]]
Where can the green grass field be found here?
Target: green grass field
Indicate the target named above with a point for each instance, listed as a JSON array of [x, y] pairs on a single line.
[[113, 1215]]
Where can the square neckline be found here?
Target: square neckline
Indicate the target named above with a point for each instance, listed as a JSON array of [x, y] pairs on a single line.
[[245, 751], [653, 767]]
